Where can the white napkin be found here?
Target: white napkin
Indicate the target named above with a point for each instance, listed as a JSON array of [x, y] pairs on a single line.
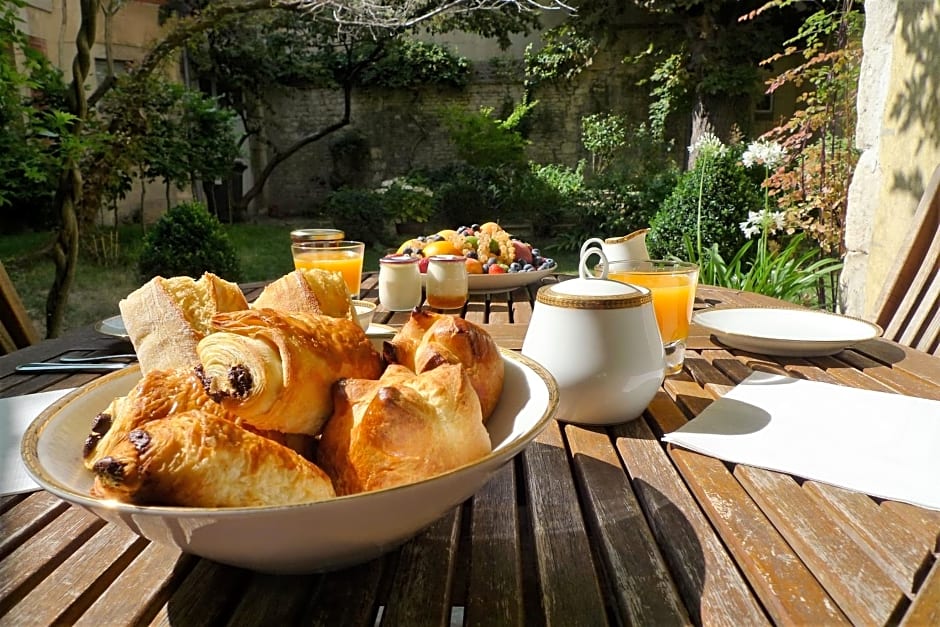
[[885, 445], [16, 413]]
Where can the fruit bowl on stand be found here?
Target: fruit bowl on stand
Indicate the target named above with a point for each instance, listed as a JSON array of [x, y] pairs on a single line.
[[496, 261]]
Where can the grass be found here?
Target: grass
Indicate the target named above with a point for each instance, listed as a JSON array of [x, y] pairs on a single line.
[[263, 250]]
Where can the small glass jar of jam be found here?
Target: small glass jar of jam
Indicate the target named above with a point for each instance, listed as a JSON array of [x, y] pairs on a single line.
[[446, 281], [399, 282]]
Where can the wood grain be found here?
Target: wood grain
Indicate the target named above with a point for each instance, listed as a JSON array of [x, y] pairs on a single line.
[[494, 593], [856, 582], [636, 573], [569, 587]]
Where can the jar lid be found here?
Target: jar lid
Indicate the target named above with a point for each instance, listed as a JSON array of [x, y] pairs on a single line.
[[447, 258], [398, 259], [594, 294], [316, 235]]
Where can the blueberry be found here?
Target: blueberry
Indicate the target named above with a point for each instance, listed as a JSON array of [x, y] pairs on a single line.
[[408, 251], [536, 252], [528, 267], [515, 267], [472, 254], [475, 226]]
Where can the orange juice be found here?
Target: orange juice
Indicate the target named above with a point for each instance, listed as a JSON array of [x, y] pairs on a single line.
[[345, 261], [673, 297]]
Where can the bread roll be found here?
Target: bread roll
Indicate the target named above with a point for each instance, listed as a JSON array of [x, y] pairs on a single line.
[[429, 339], [275, 370], [166, 318], [401, 429], [197, 459], [308, 291]]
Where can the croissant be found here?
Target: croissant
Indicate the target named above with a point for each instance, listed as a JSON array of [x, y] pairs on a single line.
[[197, 459], [275, 370], [401, 429], [157, 395], [309, 290], [429, 339]]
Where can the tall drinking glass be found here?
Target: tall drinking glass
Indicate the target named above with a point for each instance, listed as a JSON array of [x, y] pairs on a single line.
[[672, 284], [341, 256]]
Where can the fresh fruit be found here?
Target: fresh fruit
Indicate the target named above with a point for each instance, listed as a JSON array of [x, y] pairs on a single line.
[[491, 249], [474, 266], [523, 251], [423, 264], [441, 247], [413, 244]]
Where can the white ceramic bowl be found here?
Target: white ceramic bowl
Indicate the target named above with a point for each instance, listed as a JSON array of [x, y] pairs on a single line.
[[364, 312], [299, 538]]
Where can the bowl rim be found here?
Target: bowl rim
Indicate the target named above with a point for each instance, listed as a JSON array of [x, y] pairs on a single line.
[[30, 456]]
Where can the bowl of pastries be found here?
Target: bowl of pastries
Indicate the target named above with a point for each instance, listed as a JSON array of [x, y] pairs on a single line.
[[280, 421]]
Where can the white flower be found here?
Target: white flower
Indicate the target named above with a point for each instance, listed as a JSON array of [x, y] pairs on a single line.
[[778, 220], [707, 144], [769, 154]]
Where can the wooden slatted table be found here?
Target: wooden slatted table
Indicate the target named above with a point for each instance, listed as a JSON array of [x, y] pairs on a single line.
[[585, 527]]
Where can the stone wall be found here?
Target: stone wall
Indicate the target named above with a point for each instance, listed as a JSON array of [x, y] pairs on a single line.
[[899, 135], [402, 129]]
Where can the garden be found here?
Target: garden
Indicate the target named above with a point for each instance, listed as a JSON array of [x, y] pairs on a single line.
[[764, 214]]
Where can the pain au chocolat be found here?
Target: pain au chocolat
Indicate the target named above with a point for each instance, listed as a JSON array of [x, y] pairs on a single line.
[[275, 370]]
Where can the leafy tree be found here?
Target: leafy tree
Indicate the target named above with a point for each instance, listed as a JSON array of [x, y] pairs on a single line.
[[32, 99], [702, 59], [279, 48], [378, 22], [819, 138]]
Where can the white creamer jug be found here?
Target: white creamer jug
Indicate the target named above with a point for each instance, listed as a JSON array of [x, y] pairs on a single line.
[[600, 341], [624, 248]]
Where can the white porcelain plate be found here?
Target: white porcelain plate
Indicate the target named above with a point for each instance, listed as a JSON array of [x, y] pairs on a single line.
[[112, 326], [785, 332], [298, 538]]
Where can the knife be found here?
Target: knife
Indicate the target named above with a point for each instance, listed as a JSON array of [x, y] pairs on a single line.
[[79, 360], [70, 367]]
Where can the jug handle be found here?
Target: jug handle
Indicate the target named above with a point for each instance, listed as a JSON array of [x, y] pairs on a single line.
[[594, 241], [586, 254]]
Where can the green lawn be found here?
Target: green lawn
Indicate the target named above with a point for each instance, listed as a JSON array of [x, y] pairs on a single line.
[[263, 250]]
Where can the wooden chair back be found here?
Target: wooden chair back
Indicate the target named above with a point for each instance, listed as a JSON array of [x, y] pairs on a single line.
[[908, 308], [16, 329]]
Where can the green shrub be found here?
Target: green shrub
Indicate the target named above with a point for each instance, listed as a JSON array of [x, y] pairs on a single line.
[[360, 213], [409, 64], [466, 194], [724, 191], [484, 141], [188, 240]]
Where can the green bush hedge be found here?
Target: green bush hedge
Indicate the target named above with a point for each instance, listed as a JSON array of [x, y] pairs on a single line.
[[727, 194], [188, 241]]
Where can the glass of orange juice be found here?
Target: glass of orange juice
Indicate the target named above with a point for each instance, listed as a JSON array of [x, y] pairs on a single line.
[[672, 284], [341, 256]]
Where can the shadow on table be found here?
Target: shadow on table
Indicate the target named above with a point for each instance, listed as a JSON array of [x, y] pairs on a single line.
[[651, 553]]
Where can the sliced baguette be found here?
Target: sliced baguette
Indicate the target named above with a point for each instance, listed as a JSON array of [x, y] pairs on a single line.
[[308, 291], [166, 318]]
